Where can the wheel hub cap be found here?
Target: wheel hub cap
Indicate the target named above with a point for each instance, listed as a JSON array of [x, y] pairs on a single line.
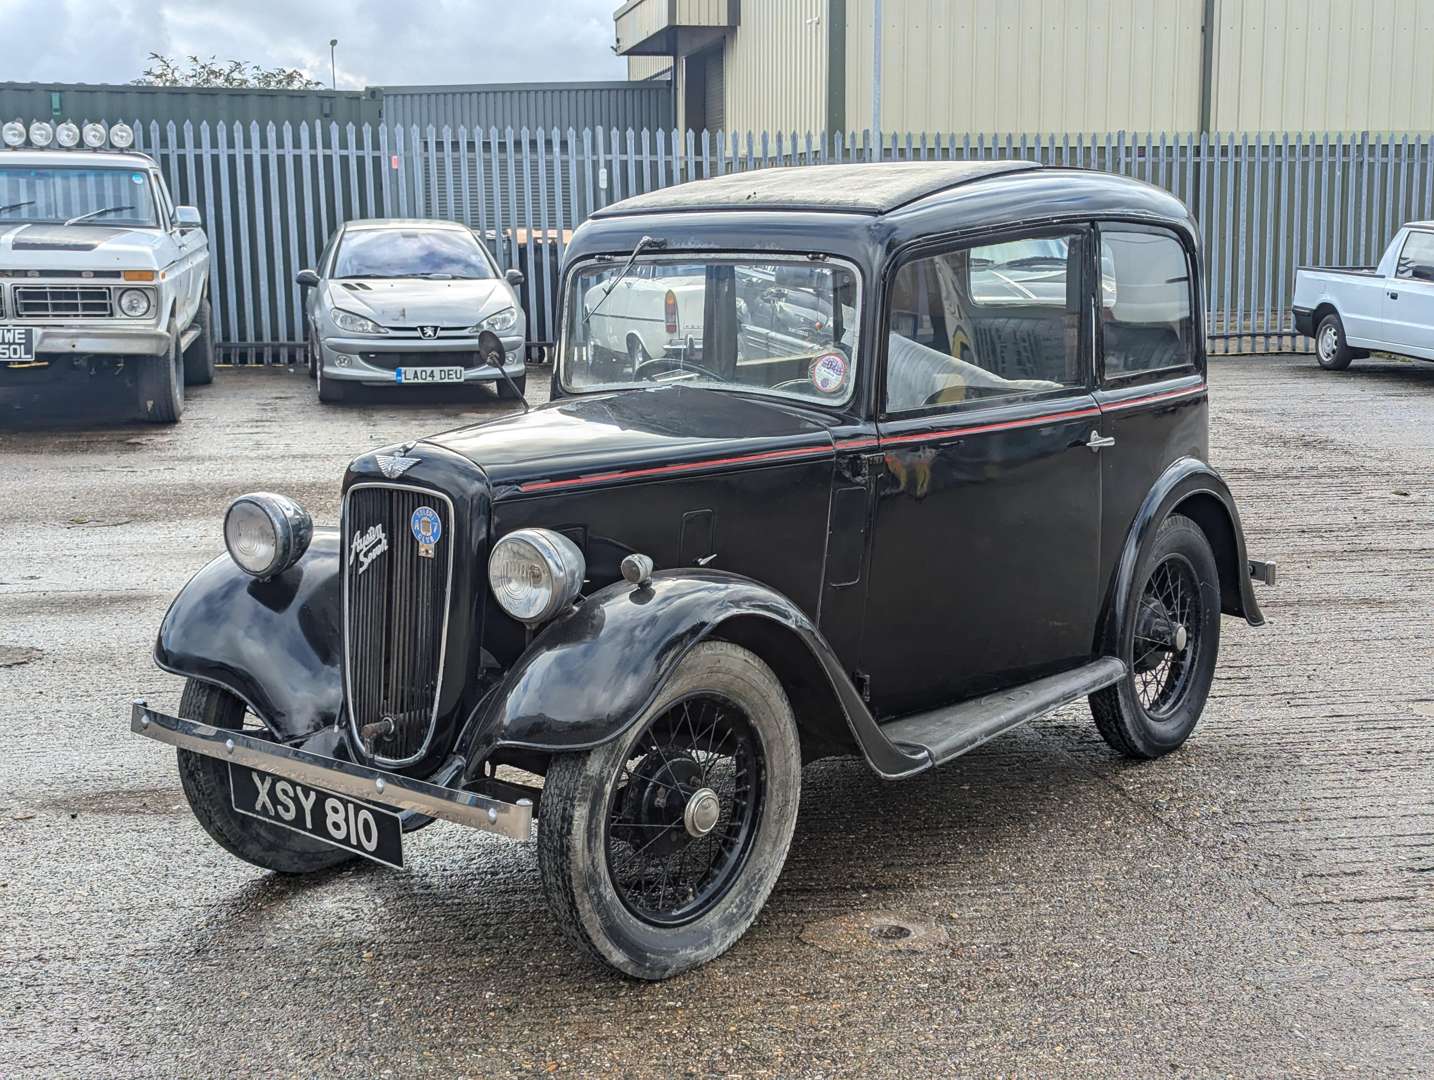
[[1180, 638], [700, 815]]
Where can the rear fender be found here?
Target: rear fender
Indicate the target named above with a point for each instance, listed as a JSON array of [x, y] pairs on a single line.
[[1190, 487], [276, 645], [589, 675]]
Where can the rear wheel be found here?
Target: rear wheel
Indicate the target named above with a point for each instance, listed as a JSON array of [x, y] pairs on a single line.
[[658, 849], [159, 383], [1331, 349], [1169, 638], [199, 357], [206, 785]]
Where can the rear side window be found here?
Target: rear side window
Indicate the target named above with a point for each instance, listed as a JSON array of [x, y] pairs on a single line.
[[1146, 303], [1417, 259], [986, 323]]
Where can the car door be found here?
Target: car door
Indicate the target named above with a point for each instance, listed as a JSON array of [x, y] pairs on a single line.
[[986, 525], [1409, 297], [181, 271]]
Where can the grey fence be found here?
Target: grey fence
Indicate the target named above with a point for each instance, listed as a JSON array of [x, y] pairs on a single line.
[[270, 197]]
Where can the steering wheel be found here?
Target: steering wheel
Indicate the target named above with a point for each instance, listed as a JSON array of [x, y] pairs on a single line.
[[654, 369]]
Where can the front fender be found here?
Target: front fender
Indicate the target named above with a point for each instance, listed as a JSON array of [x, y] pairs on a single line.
[[592, 672], [1191, 487], [274, 644]]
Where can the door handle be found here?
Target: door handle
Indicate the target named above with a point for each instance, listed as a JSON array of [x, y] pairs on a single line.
[[1097, 441], [1394, 296]]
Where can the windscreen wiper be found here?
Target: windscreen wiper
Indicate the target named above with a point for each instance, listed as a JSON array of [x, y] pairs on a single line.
[[96, 213], [641, 246], [16, 206]]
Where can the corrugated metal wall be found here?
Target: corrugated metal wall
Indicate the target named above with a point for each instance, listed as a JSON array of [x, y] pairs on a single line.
[[648, 67], [705, 12], [1326, 65], [776, 67], [574, 105], [638, 20], [1026, 65], [93, 101]]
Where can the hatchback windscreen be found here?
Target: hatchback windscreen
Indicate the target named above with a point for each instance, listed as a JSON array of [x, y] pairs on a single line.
[[75, 196], [783, 327], [443, 254]]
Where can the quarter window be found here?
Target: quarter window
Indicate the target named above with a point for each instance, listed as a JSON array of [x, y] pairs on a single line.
[[985, 323], [1146, 314], [1417, 259]]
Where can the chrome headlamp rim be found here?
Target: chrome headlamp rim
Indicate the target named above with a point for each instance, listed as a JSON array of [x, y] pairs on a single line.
[[67, 135], [139, 313], [563, 560], [12, 133], [121, 136], [42, 133], [95, 135], [292, 526]]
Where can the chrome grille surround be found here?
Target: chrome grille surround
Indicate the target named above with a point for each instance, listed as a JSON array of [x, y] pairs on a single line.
[[63, 302], [385, 616]]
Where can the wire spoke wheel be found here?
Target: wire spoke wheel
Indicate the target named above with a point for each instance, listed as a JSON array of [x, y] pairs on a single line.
[[682, 816], [1166, 644]]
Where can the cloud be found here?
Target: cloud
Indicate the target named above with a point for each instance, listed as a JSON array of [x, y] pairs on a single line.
[[380, 42]]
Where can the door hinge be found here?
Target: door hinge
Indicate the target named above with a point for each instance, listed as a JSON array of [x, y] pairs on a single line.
[[863, 685]]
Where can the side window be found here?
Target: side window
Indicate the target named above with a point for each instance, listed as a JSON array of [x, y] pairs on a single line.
[[1417, 259], [1146, 314], [985, 323]]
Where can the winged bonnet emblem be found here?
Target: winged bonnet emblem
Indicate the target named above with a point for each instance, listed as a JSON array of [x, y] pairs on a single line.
[[393, 466]]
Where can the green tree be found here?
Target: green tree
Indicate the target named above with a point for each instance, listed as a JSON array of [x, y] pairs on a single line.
[[199, 71]]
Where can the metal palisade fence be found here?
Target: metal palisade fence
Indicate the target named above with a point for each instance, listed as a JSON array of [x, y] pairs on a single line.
[[271, 196]]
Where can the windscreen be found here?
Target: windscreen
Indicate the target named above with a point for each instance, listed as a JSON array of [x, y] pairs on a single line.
[[75, 195], [443, 254], [784, 327]]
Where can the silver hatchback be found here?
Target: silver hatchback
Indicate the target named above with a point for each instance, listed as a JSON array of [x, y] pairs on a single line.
[[398, 302]]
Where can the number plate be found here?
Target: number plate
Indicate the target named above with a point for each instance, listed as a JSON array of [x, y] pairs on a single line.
[[17, 344], [428, 374], [346, 823]]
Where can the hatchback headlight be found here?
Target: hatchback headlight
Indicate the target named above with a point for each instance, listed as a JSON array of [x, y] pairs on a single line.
[[498, 322], [266, 534], [356, 324], [134, 302], [535, 573]]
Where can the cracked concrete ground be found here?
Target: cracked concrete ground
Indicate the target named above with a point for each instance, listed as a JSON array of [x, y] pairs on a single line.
[[1260, 903]]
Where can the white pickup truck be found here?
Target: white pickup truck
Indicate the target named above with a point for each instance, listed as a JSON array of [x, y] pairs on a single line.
[[1351, 310], [101, 275]]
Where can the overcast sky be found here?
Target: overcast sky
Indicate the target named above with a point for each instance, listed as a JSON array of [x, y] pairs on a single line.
[[381, 42]]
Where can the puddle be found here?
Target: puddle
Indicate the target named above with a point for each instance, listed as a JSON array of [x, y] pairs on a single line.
[[15, 655], [886, 931]]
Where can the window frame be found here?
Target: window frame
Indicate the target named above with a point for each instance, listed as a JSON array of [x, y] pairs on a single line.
[[1197, 313], [1399, 259], [945, 245]]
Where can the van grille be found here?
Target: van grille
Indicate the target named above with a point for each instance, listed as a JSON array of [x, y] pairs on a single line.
[[62, 302], [395, 618]]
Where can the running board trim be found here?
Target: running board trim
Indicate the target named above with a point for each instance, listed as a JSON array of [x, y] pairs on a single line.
[[946, 733]]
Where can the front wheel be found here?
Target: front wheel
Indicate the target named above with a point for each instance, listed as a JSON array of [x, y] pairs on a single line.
[[206, 785], [159, 383], [658, 849], [513, 388], [1169, 638]]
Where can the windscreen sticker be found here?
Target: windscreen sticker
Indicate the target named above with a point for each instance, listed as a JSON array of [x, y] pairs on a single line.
[[136, 178], [828, 372]]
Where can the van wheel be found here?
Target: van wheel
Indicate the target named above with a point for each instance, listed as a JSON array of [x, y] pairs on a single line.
[[206, 785], [159, 383], [1169, 638], [1333, 353], [199, 357], [658, 849]]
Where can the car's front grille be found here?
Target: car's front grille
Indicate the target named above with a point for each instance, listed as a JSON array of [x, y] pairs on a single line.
[[395, 616], [392, 360], [62, 302]]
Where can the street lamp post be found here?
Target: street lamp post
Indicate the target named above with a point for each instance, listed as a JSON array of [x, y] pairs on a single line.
[[333, 67]]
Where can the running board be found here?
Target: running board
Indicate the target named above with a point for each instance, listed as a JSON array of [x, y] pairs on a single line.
[[188, 337], [943, 734]]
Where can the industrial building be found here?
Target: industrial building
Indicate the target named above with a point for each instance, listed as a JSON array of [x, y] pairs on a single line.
[[1037, 66]]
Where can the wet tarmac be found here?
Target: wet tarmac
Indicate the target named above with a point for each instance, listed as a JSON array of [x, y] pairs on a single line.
[[1260, 903]]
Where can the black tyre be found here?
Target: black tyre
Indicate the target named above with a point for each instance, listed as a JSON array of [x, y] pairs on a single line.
[[206, 786], [515, 391], [1169, 639], [310, 356], [159, 384], [330, 392], [658, 849], [1331, 349], [199, 357]]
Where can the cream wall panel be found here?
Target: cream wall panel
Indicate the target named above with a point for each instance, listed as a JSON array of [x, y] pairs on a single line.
[[647, 67], [640, 21], [1026, 65], [701, 12], [1326, 65], [776, 67]]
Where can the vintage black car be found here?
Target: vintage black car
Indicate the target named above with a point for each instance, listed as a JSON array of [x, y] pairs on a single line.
[[978, 492]]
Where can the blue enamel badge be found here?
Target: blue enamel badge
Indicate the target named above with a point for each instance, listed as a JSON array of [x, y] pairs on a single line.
[[427, 529]]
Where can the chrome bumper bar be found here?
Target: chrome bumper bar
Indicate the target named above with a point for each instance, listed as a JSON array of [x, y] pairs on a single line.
[[513, 820]]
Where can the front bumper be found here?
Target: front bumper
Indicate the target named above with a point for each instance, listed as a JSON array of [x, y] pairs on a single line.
[[111, 339], [403, 793], [361, 359]]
